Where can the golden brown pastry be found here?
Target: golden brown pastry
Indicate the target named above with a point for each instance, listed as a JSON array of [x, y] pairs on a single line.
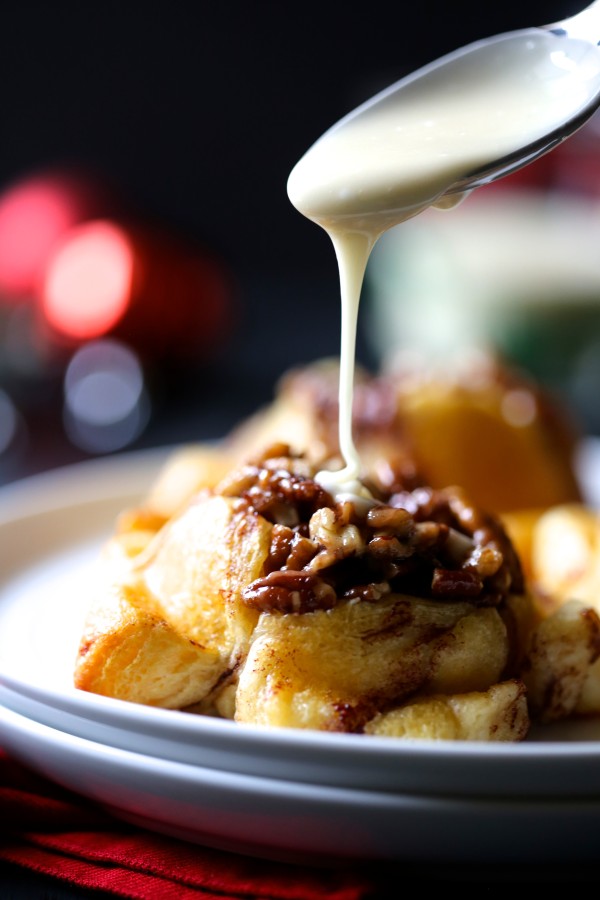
[[498, 714], [562, 672], [130, 653], [272, 604], [560, 549], [184, 580], [240, 588], [491, 429]]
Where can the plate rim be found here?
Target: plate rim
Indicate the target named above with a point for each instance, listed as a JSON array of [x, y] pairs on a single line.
[[220, 809]]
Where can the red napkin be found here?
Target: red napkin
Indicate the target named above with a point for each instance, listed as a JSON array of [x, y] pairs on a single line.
[[48, 829]]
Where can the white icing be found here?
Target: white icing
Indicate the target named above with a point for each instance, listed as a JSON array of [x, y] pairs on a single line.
[[399, 153]]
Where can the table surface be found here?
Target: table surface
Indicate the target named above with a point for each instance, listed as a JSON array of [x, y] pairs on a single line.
[[20, 884]]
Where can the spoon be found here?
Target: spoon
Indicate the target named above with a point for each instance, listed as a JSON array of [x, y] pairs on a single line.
[[462, 121], [465, 120], [583, 26]]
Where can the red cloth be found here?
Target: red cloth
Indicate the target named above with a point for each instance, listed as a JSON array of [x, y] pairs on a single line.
[[52, 831]]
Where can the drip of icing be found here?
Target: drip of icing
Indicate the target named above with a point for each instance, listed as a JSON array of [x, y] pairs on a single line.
[[399, 154]]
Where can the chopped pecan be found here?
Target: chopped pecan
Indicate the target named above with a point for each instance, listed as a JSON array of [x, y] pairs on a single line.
[[433, 543], [289, 592], [453, 583]]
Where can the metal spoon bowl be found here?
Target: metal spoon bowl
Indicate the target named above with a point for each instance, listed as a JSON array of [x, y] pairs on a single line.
[[577, 39], [585, 26]]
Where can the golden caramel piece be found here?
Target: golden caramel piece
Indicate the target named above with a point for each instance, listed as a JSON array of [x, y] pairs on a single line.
[[488, 428], [498, 714], [129, 654], [559, 671], [334, 669]]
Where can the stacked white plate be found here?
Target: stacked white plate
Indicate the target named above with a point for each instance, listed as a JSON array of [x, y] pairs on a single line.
[[275, 793]]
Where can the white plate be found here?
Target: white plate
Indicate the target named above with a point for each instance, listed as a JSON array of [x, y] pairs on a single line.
[[51, 530], [285, 820]]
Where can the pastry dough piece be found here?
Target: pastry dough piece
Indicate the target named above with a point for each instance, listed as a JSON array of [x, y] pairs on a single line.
[[186, 472], [175, 605], [335, 669], [304, 415], [560, 548], [130, 654], [588, 700], [265, 601], [561, 672], [498, 714], [198, 565]]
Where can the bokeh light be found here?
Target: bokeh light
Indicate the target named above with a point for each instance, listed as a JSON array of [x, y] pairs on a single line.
[[106, 402], [34, 214], [139, 284], [88, 281]]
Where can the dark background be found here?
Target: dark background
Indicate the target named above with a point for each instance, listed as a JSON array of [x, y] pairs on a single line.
[[197, 113]]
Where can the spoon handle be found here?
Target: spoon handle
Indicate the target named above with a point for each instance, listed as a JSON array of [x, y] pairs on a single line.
[[584, 25]]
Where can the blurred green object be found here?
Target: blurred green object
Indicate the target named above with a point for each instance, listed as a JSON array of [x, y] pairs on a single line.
[[515, 272]]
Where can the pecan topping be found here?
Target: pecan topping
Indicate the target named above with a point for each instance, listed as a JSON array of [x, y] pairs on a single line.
[[430, 543], [290, 592]]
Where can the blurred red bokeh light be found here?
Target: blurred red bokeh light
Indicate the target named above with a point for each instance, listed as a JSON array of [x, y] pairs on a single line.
[[34, 213], [162, 296], [88, 281]]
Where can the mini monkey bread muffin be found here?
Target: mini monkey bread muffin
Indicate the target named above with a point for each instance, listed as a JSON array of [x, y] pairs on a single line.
[[266, 601], [241, 588]]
